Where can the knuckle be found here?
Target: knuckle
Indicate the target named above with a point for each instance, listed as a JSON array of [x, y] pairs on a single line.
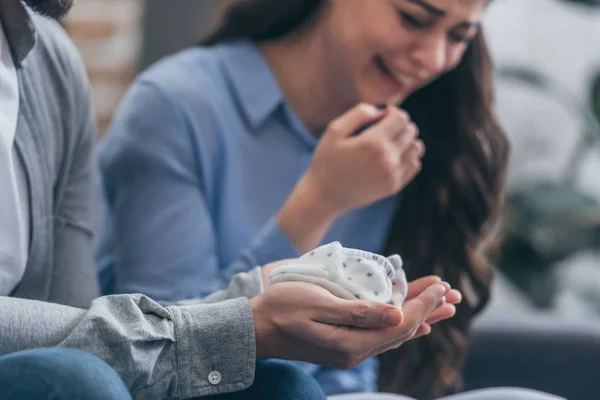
[[360, 316], [335, 126], [416, 128], [420, 147], [399, 113], [417, 165], [411, 133]]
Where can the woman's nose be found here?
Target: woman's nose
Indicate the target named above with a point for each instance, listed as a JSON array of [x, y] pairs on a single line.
[[429, 56]]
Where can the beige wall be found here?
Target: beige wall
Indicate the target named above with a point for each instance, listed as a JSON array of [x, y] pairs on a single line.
[[117, 38], [108, 35]]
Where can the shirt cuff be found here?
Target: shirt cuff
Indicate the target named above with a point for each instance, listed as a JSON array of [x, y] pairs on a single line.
[[216, 348], [272, 244]]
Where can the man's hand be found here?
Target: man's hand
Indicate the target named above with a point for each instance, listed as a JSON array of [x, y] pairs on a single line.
[[301, 321]]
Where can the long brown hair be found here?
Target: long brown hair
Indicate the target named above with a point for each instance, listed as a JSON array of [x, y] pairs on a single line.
[[446, 212]]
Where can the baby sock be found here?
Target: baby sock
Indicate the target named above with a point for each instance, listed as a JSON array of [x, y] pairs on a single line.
[[348, 273]]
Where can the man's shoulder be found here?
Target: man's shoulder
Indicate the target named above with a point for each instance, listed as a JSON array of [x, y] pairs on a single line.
[[55, 53], [55, 77], [58, 106]]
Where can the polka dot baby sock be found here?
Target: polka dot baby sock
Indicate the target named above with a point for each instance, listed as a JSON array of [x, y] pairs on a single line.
[[348, 273]]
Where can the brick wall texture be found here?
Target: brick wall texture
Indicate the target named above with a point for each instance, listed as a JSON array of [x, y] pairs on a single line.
[[108, 34]]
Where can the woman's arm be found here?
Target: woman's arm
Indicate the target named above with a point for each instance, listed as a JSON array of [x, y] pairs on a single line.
[[164, 237]]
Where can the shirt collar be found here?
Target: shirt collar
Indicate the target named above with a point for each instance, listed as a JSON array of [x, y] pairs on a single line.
[[18, 28], [252, 80]]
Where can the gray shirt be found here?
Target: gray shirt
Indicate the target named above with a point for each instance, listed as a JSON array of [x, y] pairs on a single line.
[[160, 351]]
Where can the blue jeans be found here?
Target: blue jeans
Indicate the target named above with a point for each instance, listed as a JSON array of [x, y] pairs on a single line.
[[276, 380], [58, 374]]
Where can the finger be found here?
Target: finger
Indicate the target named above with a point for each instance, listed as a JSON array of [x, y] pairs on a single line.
[[360, 314], [395, 124], [407, 139], [413, 315], [410, 159], [454, 297], [415, 150], [354, 120], [418, 285], [417, 310], [423, 330], [446, 311]]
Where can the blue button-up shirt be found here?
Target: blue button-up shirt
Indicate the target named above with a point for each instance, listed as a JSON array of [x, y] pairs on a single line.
[[202, 154]]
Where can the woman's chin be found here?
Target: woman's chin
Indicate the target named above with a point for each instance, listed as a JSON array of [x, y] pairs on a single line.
[[384, 99]]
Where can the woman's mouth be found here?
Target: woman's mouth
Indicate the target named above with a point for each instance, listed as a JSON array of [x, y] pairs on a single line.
[[393, 80]]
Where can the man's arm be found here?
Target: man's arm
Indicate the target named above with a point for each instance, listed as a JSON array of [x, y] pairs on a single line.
[[168, 352], [159, 352]]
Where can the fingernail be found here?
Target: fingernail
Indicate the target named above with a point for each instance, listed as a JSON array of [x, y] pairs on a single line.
[[376, 110], [391, 317], [440, 289]]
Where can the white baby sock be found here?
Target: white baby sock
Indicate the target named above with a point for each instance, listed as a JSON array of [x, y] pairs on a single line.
[[348, 273]]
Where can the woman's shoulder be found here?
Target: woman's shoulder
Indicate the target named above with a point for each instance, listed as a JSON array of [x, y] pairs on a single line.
[[193, 75]]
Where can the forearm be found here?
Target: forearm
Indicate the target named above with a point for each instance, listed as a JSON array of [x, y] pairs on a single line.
[[159, 352], [304, 218]]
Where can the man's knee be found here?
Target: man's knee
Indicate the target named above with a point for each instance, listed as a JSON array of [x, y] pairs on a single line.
[[68, 373]]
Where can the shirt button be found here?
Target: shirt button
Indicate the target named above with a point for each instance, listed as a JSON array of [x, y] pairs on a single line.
[[214, 377]]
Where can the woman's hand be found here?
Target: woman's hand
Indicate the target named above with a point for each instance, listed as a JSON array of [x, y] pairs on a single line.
[[350, 171], [301, 321], [445, 310]]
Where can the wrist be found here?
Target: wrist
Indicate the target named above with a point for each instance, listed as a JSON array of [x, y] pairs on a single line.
[[260, 331], [305, 217], [316, 202]]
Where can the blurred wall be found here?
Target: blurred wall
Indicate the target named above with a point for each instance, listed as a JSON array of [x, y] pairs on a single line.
[[561, 41], [108, 35], [118, 38], [171, 25]]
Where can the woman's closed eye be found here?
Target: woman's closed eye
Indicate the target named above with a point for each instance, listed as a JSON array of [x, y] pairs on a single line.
[[461, 38], [412, 21]]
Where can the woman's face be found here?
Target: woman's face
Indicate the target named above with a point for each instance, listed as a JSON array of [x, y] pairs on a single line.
[[381, 51]]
